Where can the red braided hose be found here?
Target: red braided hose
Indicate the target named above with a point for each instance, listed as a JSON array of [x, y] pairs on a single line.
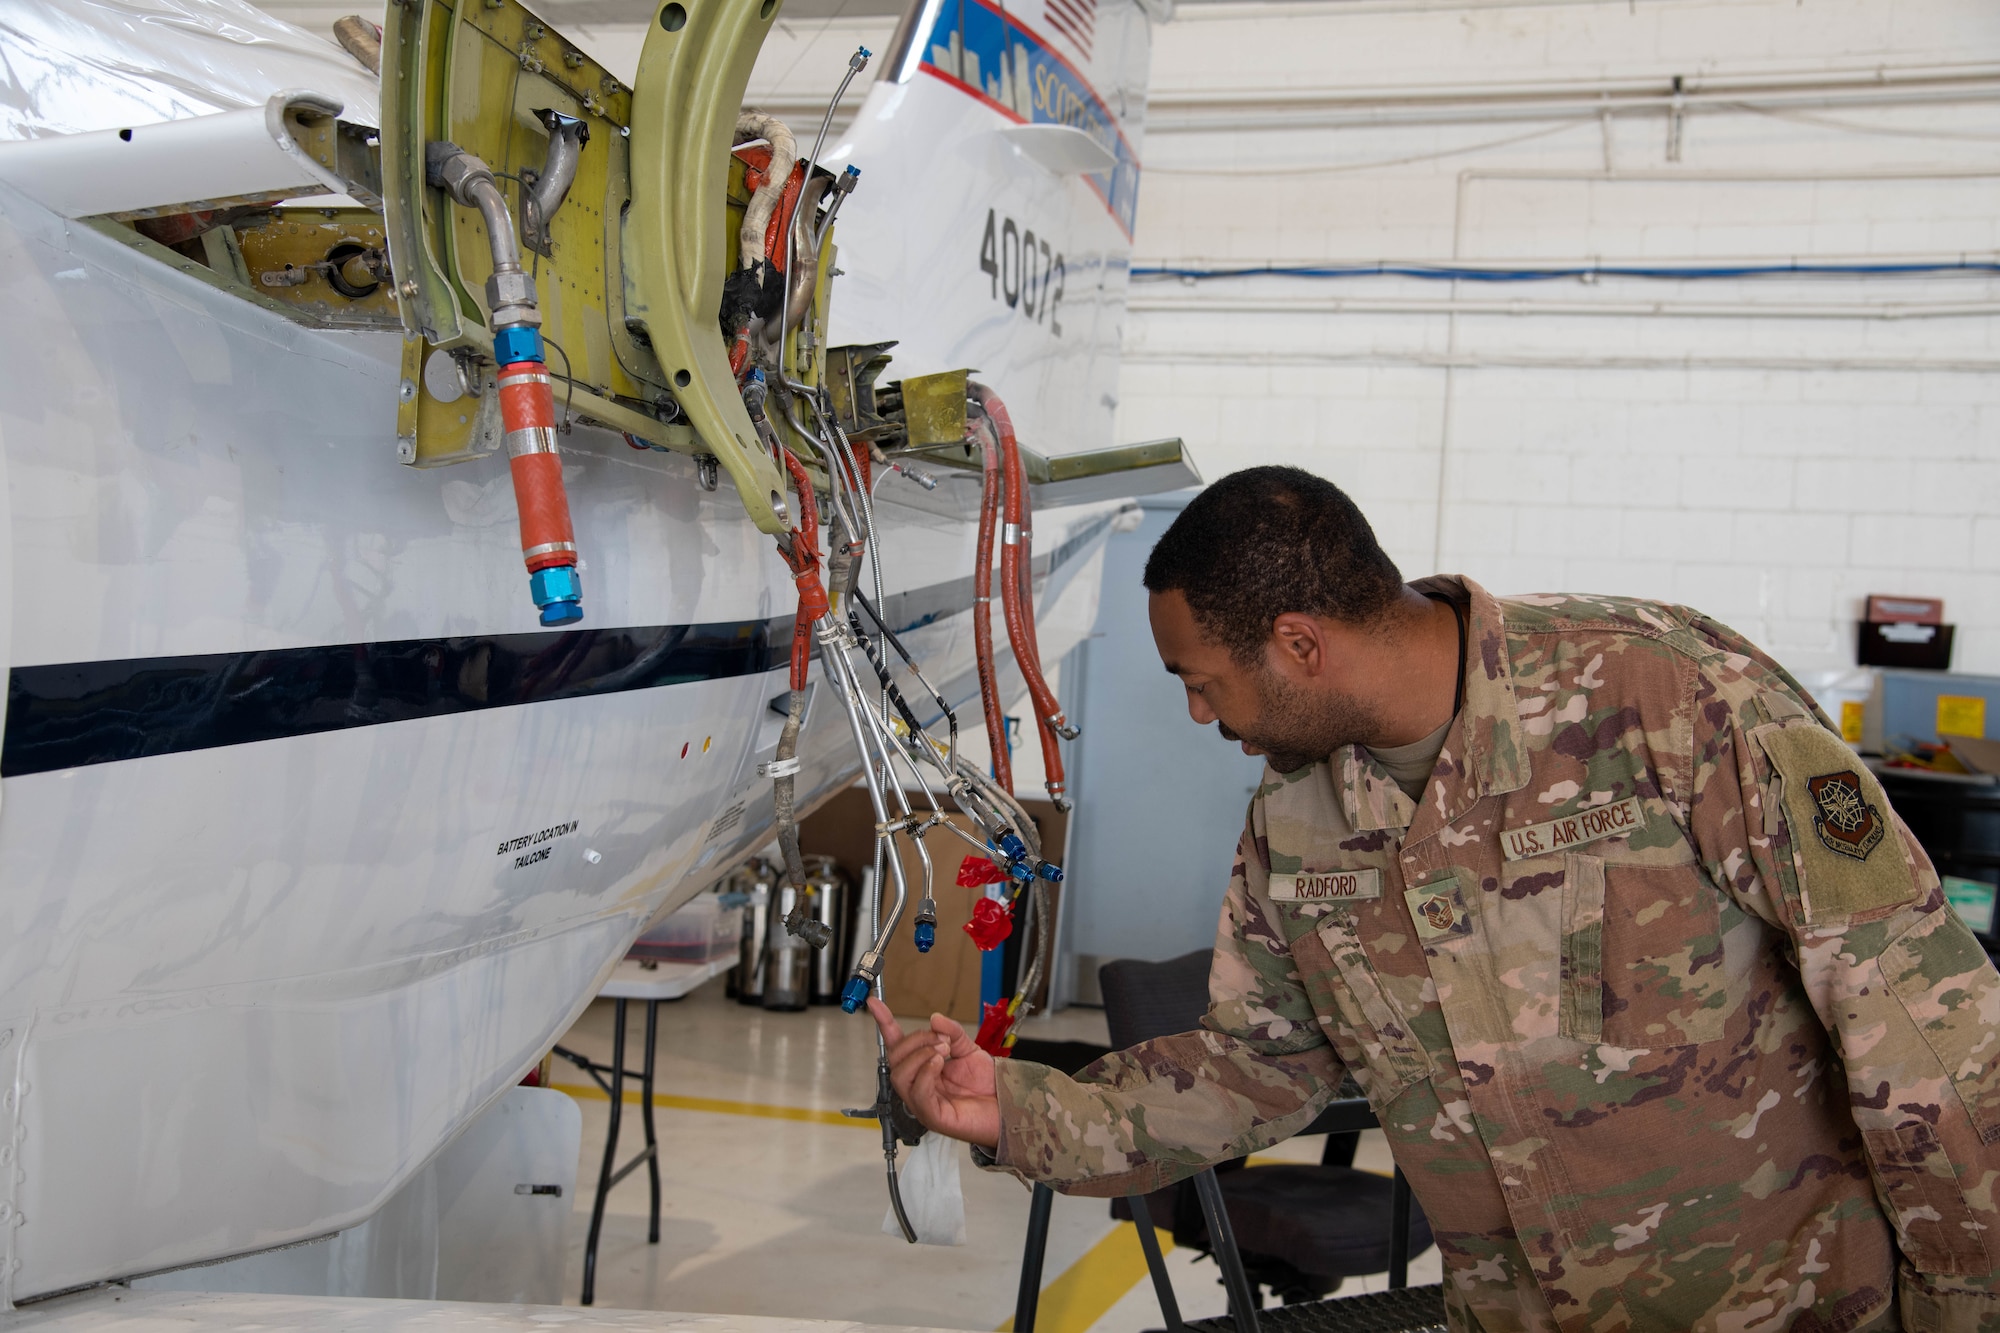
[[982, 614], [1016, 593]]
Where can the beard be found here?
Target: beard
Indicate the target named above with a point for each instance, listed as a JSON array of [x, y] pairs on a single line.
[[1297, 727]]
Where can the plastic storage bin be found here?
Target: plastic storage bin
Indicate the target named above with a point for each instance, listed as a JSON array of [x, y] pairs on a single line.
[[699, 931]]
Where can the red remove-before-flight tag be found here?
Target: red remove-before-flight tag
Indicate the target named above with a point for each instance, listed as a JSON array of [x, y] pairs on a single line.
[[992, 922], [974, 871]]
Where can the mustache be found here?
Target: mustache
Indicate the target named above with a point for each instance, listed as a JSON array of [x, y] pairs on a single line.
[[1227, 734]]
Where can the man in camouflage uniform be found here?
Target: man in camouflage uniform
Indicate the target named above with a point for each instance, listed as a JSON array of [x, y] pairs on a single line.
[[1661, 1007]]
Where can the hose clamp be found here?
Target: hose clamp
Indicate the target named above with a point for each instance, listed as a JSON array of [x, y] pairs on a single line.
[[547, 548], [779, 768], [528, 440], [1010, 534], [515, 378]]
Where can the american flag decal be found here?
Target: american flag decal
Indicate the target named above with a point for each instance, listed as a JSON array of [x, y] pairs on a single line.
[[1074, 19]]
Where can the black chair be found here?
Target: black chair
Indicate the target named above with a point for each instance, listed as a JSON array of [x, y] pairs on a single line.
[[1297, 1229]]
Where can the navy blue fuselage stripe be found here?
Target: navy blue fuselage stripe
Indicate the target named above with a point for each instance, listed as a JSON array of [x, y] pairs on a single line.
[[77, 713], [71, 714]]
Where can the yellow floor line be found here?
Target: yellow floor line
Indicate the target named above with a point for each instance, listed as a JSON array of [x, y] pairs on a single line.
[[1261, 1160], [1085, 1291], [589, 1092]]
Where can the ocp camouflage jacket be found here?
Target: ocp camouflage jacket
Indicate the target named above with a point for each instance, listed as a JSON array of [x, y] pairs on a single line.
[[1660, 1005]]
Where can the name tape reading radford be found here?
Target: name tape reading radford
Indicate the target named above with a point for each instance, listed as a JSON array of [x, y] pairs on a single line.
[[1320, 886], [1606, 821]]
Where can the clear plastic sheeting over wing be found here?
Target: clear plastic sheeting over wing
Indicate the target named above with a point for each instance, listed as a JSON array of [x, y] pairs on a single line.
[[68, 66]]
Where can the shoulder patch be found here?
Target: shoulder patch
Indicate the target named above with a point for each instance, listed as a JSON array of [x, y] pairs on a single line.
[[1840, 825]]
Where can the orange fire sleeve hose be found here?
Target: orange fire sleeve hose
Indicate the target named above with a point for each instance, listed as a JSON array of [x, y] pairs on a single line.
[[1016, 594]]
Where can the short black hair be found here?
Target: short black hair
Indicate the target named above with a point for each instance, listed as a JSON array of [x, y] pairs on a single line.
[[1265, 541]]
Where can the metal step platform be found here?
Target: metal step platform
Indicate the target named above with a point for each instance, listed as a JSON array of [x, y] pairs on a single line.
[[1408, 1310]]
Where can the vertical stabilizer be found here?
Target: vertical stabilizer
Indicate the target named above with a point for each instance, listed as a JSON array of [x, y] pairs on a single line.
[[1000, 160]]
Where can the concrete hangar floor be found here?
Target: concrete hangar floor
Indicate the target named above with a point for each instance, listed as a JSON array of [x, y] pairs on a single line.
[[773, 1203]]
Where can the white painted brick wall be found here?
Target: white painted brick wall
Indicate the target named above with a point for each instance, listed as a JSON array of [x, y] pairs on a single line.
[[1746, 466], [1770, 471]]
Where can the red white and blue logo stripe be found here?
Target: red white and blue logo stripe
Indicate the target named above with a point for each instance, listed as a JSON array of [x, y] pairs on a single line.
[[1034, 83]]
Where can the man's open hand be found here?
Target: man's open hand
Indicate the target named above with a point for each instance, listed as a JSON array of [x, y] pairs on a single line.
[[943, 1077]]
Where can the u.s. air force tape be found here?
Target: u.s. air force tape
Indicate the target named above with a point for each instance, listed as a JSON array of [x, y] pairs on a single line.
[[1559, 835], [1326, 886]]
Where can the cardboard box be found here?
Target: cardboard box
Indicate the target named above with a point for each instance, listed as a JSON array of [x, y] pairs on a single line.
[[945, 980]]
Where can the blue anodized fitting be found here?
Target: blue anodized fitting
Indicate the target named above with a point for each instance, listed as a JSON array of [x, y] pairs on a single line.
[[1049, 871], [518, 342], [1012, 847], [559, 593], [854, 994], [926, 936]]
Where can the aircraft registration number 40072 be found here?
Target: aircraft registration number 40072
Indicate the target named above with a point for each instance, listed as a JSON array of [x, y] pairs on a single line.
[[1026, 271]]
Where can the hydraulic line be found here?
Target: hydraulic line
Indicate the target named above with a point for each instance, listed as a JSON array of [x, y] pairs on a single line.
[[944, 709], [884, 1109], [1011, 810], [1017, 595], [885, 737], [802, 557], [567, 137], [527, 406], [982, 605], [994, 811], [885, 1095], [868, 969], [873, 733], [896, 699], [855, 64]]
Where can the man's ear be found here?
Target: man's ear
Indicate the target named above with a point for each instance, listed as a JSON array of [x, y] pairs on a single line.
[[1298, 643]]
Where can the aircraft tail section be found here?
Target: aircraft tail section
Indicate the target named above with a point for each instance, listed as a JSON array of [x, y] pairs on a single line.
[[1000, 154]]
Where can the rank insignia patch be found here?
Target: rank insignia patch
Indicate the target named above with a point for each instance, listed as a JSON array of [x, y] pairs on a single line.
[[1439, 912], [1846, 821]]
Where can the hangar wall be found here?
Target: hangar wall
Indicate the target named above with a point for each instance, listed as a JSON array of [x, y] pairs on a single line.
[[1767, 449]]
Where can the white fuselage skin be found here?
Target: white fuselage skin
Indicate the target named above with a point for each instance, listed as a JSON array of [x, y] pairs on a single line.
[[248, 989]]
